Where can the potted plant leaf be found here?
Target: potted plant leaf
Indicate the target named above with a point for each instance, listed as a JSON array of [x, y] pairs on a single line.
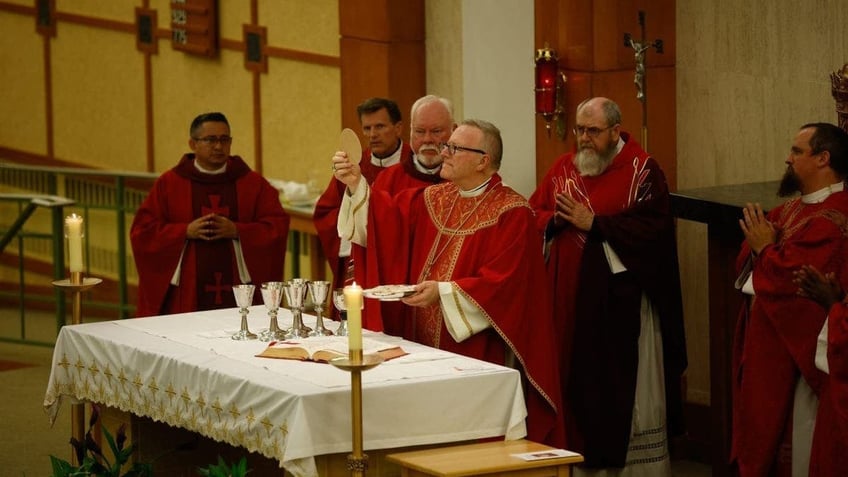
[[92, 460]]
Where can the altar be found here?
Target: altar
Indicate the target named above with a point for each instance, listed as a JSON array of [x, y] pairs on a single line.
[[184, 371]]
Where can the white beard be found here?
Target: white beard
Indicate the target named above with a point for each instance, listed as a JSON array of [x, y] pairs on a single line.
[[591, 163]]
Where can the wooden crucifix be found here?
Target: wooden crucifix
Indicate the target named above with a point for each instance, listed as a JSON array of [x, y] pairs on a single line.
[[639, 47]]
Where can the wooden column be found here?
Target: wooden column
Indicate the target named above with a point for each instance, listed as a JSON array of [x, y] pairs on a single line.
[[589, 38], [382, 54]]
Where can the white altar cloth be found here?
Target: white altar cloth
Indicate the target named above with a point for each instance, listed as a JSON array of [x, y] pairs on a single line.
[[184, 370]]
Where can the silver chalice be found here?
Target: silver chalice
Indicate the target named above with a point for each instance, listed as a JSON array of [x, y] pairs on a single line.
[[339, 302], [319, 290], [295, 291], [244, 298], [272, 294]]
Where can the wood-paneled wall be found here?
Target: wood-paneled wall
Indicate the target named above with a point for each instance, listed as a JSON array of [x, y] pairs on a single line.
[[588, 35]]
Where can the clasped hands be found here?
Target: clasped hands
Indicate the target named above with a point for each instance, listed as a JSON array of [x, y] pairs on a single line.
[[758, 231], [573, 212], [211, 227], [824, 289]]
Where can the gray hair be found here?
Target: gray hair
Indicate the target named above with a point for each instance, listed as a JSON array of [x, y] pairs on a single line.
[[430, 98], [612, 113], [492, 142]]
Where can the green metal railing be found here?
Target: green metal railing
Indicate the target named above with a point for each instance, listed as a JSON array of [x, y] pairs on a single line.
[[33, 202], [104, 198]]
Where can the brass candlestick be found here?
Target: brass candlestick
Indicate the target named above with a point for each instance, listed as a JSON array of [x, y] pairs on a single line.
[[356, 363], [77, 284]]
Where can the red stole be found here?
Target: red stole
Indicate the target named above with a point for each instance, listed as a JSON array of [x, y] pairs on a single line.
[[218, 198]]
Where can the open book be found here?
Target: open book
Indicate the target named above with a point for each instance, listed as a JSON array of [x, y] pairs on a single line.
[[325, 348]]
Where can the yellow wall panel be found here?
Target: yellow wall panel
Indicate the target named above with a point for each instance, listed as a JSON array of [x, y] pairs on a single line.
[[311, 26], [98, 98], [231, 17], [186, 85], [121, 10], [22, 86], [302, 120]]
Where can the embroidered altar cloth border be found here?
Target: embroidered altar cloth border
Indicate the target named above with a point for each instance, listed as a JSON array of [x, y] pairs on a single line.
[[184, 370]]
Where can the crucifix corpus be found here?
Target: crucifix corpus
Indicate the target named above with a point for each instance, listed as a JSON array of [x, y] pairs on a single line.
[[639, 48]]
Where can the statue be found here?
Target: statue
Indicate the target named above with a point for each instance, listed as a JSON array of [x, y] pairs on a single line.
[[839, 88], [639, 48]]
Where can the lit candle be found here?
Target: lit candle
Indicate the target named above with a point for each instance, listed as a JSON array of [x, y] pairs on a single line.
[[73, 226], [353, 303]]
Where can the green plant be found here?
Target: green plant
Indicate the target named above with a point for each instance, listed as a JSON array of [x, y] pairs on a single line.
[[221, 469], [92, 460]]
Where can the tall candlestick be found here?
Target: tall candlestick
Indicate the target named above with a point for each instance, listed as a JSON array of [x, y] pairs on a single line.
[[73, 229], [353, 302]]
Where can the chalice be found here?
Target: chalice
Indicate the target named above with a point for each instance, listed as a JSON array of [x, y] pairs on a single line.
[[339, 302], [272, 293], [244, 298], [295, 291], [319, 290]]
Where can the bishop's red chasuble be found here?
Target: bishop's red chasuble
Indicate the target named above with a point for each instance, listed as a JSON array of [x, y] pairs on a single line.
[[488, 249]]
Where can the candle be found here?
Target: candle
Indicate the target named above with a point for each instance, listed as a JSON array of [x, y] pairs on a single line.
[[73, 228], [353, 303]]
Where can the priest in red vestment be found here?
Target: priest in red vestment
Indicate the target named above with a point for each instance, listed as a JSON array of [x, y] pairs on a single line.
[[612, 265], [776, 382], [207, 224], [470, 247], [382, 126], [431, 124], [830, 441]]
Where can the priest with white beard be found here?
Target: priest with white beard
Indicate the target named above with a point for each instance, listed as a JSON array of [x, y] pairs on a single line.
[[612, 265]]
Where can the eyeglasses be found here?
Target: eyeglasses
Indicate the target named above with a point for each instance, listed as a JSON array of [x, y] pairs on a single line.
[[591, 132], [452, 148], [212, 140]]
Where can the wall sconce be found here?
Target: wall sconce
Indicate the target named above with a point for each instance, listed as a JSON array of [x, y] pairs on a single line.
[[550, 87]]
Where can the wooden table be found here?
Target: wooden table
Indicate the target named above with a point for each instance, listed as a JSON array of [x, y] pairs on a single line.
[[490, 458]]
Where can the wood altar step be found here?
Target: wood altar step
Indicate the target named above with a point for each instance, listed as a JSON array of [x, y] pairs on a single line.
[[489, 458]]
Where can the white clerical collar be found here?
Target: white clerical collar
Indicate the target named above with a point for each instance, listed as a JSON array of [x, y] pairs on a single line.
[[390, 160], [424, 169], [200, 168], [820, 195], [619, 146], [475, 191]]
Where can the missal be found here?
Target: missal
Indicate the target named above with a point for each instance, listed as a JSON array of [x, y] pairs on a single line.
[[324, 348]]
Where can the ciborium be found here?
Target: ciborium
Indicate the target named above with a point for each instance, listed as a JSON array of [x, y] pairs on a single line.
[[272, 294], [244, 298], [319, 289], [295, 291]]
